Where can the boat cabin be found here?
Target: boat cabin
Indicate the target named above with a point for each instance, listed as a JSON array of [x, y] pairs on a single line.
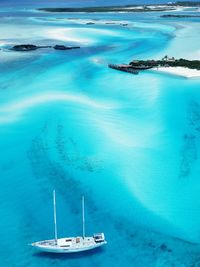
[[99, 237]]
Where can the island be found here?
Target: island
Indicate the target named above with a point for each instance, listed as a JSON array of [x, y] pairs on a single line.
[[187, 3], [31, 47], [89, 23], [63, 47], [183, 67], [27, 47], [166, 62], [109, 9], [124, 8], [179, 16]]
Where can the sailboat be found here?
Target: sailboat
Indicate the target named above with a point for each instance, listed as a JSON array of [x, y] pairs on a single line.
[[70, 244]]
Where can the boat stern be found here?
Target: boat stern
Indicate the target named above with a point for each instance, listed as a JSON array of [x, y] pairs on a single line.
[[99, 238]]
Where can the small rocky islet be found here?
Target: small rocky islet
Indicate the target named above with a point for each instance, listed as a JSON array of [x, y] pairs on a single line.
[[31, 47]]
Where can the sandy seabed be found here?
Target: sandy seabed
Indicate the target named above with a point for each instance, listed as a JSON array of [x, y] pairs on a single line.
[[180, 71]]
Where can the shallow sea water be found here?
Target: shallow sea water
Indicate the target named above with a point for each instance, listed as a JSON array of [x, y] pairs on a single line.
[[129, 143]]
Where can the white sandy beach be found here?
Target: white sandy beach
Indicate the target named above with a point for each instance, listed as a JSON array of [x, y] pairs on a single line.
[[180, 71]]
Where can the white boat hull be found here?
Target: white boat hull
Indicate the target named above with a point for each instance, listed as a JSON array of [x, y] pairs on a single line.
[[68, 245]]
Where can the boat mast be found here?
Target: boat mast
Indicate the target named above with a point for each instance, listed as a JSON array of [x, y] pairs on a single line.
[[55, 219], [83, 215]]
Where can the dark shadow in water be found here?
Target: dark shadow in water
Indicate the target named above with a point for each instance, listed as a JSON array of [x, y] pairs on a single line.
[[190, 149], [64, 256]]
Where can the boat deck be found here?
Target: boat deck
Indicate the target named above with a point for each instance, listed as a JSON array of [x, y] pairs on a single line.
[[76, 242]]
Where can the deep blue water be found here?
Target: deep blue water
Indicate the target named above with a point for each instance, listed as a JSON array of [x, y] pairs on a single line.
[[130, 144]]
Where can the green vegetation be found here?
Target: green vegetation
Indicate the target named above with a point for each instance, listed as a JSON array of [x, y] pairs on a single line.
[[132, 8], [180, 16], [167, 62], [81, 9], [127, 8], [187, 3]]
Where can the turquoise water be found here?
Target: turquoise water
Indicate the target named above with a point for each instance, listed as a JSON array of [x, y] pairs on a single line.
[[130, 144]]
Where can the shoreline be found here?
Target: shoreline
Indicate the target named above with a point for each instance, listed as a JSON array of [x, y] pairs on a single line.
[[111, 9], [156, 7], [179, 71]]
